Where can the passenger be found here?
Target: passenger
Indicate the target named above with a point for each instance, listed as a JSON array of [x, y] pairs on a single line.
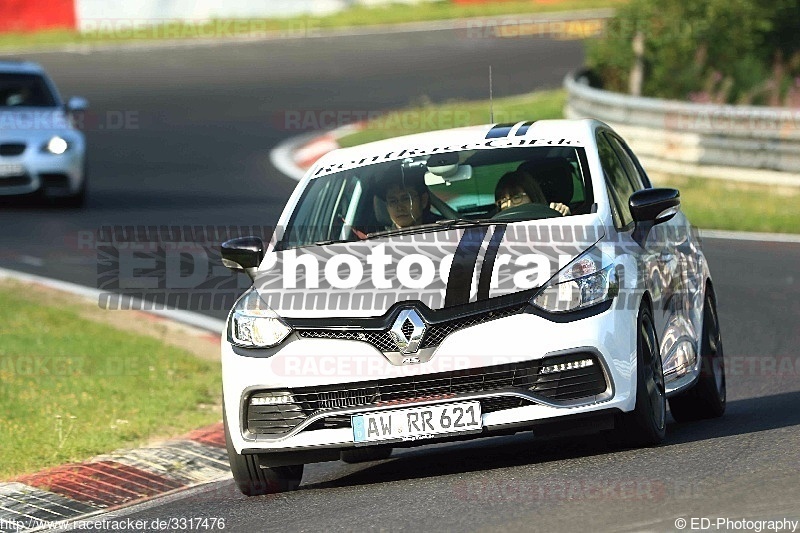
[[517, 188], [408, 201]]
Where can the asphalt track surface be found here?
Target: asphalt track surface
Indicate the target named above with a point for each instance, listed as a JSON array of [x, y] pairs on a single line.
[[206, 120]]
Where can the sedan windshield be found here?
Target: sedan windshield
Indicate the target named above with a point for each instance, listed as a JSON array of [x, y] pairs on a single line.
[[24, 90], [427, 193]]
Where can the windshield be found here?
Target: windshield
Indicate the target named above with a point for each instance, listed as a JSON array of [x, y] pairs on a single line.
[[24, 90], [428, 192]]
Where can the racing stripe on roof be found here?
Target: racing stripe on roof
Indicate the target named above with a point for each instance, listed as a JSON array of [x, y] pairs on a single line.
[[459, 282], [488, 262], [524, 128], [500, 130]]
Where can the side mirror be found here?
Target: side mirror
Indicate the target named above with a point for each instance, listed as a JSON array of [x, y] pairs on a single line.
[[244, 253], [76, 104], [654, 205]]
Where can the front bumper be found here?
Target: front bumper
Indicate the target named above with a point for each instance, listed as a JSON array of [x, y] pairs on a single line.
[[34, 170], [520, 341]]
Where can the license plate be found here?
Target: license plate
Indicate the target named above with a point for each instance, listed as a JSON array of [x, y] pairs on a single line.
[[417, 422], [11, 169]]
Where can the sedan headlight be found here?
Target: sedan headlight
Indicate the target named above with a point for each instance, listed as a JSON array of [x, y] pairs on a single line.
[[252, 324], [587, 280], [56, 145]]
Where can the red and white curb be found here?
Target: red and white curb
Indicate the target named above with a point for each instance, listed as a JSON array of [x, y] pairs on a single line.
[[294, 156], [309, 153], [69, 492]]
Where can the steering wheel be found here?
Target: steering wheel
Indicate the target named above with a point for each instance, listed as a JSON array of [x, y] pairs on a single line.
[[527, 212]]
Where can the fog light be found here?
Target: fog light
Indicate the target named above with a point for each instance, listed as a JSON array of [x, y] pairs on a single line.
[[574, 365], [273, 398]]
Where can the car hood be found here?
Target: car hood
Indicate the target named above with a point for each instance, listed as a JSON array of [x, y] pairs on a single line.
[[33, 122], [441, 269]]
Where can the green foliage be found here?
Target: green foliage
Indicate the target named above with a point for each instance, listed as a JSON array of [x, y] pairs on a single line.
[[736, 51]]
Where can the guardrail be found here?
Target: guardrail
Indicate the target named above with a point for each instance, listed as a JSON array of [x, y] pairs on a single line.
[[744, 143]]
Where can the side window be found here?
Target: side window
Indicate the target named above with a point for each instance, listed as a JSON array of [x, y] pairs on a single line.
[[334, 204], [617, 180], [639, 167], [627, 162]]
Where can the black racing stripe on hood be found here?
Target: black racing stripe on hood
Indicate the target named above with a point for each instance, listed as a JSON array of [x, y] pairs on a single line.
[[500, 130], [488, 262], [459, 282]]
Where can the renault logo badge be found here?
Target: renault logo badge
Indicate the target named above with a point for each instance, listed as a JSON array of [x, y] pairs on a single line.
[[407, 331]]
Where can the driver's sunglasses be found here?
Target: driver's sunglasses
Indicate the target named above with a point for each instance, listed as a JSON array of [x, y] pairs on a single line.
[[514, 199]]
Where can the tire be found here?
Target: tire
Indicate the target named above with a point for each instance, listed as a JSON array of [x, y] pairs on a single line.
[[646, 424], [78, 199], [363, 455], [254, 480], [707, 398]]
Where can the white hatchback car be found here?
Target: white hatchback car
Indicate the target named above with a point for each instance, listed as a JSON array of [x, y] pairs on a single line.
[[464, 283], [40, 148]]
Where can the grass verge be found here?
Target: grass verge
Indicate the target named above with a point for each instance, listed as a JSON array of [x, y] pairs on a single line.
[[72, 388], [736, 206], [709, 203], [122, 30]]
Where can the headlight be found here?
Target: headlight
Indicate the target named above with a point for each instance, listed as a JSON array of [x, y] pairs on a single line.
[[588, 280], [252, 324], [57, 145]]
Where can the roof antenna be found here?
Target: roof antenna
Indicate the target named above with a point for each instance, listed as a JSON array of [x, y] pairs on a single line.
[[491, 101]]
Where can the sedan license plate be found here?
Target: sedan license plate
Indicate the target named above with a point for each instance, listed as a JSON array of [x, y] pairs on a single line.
[[11, 169], [417, 422]]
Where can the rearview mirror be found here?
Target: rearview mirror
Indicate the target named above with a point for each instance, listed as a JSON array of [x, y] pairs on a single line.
[[445, 169], [654, 205]]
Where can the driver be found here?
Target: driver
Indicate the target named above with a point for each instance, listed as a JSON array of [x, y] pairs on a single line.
[[517, 188], [408, 200]]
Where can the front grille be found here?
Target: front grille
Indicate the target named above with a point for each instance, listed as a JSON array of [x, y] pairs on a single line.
[[525, 376], [54, 180], [346, 398], [15, 181], [8, 149], [498, 403], [488, 405], [380, 339], [434, 333]]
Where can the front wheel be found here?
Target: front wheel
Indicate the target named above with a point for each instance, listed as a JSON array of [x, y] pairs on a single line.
[[646, 424], [707, 398], [254, 480], [78, 198]]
